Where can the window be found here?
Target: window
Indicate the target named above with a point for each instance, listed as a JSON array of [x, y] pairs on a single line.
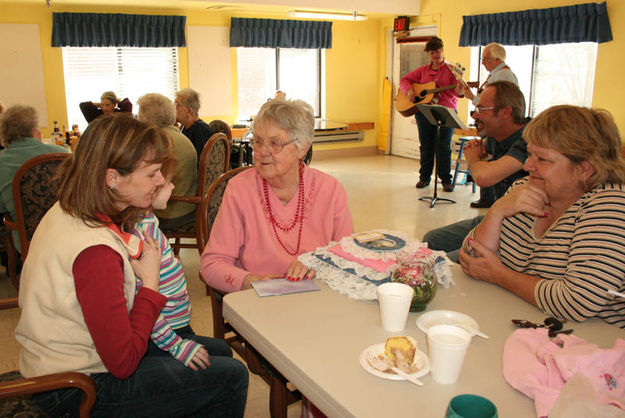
[[129, 72], [549, 74], [262, 71]]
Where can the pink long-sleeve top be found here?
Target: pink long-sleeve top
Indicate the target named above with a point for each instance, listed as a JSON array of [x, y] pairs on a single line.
[[243, 241], [442, 77]]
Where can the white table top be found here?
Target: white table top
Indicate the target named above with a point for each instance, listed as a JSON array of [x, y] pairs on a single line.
[[314, 339]]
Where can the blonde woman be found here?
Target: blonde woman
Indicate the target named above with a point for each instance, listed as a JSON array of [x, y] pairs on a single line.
[[557, 239]]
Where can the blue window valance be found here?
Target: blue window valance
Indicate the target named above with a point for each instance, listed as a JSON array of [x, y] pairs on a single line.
[[587, 22], [272, 33], [113, 29]]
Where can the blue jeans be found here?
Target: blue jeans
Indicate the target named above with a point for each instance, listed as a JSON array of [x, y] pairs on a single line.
[[161, 386], [449, 238], [427, 148]]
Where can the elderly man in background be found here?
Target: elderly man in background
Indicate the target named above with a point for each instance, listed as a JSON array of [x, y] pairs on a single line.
[[20, 135], [493, 58], [159, 110], [187, 108], [497, 163]]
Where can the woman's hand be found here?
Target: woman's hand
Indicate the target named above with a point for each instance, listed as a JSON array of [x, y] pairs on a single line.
[[200, 359], [148, 266], [247, 281], [527, 198], [482, 265], [297, 271]]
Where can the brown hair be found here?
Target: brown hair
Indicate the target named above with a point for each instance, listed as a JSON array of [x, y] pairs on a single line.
[[114, 141], [433, 44], [508, 94], [18, 122], [110, 96], [581, 134]]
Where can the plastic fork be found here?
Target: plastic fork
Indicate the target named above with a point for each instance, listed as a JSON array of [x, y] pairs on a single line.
[[380, 365]]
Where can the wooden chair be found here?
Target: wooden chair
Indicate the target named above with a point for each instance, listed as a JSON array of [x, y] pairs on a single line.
[[280, 396], [34, 192], [221, 126], [214, 161], [16, 391]]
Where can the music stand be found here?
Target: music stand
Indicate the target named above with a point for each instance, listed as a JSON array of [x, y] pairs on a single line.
[[440, 116]]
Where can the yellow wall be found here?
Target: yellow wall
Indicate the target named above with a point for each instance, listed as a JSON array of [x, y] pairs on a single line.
[[355, 66], [608, 90], [352, 73]]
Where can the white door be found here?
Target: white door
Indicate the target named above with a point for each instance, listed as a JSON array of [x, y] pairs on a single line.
[[407, 56]]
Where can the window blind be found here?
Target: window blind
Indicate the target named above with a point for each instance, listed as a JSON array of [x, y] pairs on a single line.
[[129, 72]]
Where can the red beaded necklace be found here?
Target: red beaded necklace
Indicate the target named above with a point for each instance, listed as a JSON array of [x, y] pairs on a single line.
[[299, 213]]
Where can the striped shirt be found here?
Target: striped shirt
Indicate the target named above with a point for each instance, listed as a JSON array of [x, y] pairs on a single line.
[[579, 258], [176, 313]]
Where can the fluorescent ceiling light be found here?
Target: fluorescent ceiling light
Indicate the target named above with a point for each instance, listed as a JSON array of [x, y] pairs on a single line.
[[322, 15]]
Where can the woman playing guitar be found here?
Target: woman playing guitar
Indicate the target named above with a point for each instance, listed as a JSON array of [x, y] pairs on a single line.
[[439, 72]]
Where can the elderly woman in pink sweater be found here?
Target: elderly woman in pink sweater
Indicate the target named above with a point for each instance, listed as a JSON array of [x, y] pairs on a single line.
[[278, 210]]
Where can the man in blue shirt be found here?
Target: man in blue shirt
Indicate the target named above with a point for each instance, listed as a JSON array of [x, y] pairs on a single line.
[[187, 107], [495, 162]]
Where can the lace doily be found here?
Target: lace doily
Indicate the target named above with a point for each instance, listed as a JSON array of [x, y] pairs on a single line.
[[410, 245], [361, 282]]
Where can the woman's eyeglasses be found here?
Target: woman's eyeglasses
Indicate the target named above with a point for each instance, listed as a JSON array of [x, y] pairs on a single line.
[[274, 146]]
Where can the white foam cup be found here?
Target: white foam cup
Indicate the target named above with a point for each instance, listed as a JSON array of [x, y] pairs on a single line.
[[447, 346], [394, 300]]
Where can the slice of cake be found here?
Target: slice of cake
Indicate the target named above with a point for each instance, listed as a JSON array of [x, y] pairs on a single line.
[[401, 351]]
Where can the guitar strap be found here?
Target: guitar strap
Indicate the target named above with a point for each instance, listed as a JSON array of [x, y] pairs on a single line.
[[481, 89], [438, 75]]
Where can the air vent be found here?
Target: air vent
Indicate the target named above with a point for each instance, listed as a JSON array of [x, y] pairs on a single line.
[[329, 136]]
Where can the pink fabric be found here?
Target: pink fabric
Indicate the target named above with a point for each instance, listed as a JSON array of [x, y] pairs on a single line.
[[377, 265], [242, 239], [442, 77], [539, 367]]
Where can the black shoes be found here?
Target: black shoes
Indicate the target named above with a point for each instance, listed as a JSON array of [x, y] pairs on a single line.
[[422, 183], [479, 204], [446, 186]]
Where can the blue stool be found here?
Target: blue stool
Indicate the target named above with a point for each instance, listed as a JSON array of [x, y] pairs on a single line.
[[461, 142]]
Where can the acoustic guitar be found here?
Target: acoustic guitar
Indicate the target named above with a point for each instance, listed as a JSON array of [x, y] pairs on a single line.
[[424, 93]]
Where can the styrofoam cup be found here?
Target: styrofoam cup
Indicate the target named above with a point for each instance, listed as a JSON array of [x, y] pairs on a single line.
[[447, 346], [394, 300]]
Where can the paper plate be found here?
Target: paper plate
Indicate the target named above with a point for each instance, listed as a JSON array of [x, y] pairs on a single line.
[[421, 361], [442, 317]]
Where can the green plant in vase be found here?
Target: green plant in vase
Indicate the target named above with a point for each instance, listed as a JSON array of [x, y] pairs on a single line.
[[418, 274]]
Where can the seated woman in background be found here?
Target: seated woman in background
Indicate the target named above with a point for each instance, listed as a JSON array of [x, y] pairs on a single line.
[[159, 110], [19, 133], [557, 239], [108, 104], [79, 310], [278, 210]]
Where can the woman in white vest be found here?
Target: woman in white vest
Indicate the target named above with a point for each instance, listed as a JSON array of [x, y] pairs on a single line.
[[77, 291]]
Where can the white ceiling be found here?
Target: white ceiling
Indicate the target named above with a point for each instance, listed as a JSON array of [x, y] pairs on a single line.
[[375, 8]]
